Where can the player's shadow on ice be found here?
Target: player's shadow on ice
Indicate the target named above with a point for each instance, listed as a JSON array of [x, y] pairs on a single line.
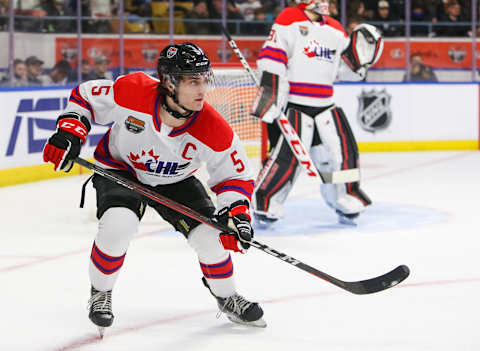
[[312, 216]]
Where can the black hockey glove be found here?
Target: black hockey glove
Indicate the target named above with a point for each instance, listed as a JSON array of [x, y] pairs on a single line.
[[237, 217], [64, 146]]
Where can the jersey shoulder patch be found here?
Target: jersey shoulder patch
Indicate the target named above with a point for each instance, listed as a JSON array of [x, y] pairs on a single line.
[[291, 15], [332, 22], [136, 91], [211, 129]]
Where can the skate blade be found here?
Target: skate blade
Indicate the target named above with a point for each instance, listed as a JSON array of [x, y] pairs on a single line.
[[347, 221], [101, 331], [259, 323]]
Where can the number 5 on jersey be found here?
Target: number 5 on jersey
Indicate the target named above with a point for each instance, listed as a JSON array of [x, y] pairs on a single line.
[[237, 162]]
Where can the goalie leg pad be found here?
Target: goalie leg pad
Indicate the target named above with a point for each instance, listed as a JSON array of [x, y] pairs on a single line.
[[281, 169], [338, 154]]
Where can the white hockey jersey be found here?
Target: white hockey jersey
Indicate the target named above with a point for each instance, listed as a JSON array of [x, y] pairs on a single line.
[[306, 56], [155, 153]]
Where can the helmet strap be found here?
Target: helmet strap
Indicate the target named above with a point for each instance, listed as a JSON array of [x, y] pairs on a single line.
[[174, 113]]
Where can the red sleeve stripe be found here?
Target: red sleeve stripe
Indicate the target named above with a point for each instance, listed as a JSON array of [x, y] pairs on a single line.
[[240, 186], [105, 263], [273, 54], [77, 98], [219, 270], [310, 89]]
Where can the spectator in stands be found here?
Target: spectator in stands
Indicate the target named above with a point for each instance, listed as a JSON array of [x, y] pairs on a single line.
[[100, 68], [58, 75], [86, 68], [247, 8], [260, 27], [199, 12], [420, 13], [55, 8], [419, 72], [34, 70], [233, 13], [357, 9], [451, 19], [333, 9], [3, 12], [352, 23], [19, 75], [383, 16]]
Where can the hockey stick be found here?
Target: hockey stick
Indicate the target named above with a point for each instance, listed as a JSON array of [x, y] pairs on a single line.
[[362, 287], [286, 128]]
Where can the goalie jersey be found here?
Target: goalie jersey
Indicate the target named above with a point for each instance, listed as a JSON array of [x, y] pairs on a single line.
[[306, 56], [155, 153]]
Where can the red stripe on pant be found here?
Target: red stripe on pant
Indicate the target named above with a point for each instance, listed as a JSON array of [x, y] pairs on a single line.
[[105, 263], [218, 270]]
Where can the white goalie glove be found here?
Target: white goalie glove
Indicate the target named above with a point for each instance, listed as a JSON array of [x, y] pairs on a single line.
[[364, 49]]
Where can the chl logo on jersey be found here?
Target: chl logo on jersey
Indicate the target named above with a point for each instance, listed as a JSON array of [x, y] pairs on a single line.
[[316, 50], [134, 125], [374, 112], [149, 162]]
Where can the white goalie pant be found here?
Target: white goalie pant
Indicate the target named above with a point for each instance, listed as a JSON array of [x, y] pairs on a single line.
[[338, 152]]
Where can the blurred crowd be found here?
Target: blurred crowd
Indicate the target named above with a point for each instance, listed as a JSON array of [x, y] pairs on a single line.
[[443, 18], [30, 72]]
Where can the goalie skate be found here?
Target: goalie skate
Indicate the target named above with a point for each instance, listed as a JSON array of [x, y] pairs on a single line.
[[239, 310]]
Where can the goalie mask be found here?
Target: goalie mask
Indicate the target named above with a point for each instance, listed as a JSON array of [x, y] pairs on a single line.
[[176, 62], [318, 6]]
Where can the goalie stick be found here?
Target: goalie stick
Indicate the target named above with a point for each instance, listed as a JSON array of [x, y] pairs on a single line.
[[362, 287], [286, 128]]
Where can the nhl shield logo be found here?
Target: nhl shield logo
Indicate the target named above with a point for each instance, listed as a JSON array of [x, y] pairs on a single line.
[[374, 111]]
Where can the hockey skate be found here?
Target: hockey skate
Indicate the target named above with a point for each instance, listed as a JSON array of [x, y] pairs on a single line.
[[100, 306], [239, 310]]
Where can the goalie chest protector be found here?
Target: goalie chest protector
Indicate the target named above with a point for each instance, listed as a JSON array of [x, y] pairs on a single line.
[[307, 53]]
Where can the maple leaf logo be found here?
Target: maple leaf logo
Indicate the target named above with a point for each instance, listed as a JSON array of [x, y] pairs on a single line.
[[139, 160]]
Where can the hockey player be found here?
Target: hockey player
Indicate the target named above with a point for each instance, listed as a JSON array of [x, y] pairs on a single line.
[[162, 130], [305, 52]]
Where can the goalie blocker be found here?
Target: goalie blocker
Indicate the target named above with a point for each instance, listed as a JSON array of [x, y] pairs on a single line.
[[335, 155]]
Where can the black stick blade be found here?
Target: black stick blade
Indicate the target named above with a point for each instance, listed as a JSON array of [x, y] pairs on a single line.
[[380, 283]]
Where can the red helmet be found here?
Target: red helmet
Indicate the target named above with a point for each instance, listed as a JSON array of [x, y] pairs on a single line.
[[318, 6]]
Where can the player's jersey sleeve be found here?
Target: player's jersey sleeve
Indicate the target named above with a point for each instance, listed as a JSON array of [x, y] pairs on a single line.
[[230, 174], [276, 50], [93, 99], [274, 56]]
